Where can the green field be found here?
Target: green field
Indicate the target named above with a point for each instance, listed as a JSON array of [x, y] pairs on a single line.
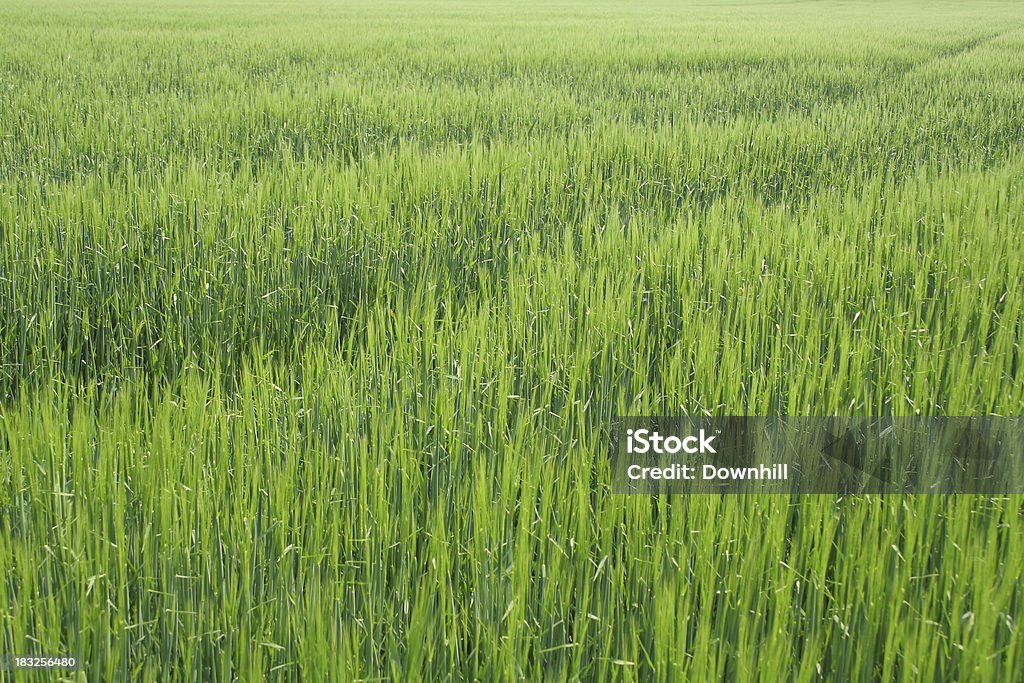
[[315, 316]]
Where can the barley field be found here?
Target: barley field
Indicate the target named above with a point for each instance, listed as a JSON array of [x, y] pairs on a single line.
[[314, 318]]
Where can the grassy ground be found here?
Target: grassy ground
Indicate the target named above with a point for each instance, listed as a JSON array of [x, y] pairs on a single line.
[[314, 318]]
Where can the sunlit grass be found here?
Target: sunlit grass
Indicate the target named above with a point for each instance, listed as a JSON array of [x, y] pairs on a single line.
[[314, 319]]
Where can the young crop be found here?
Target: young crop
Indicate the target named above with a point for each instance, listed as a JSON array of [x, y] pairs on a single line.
[[315, 318]]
